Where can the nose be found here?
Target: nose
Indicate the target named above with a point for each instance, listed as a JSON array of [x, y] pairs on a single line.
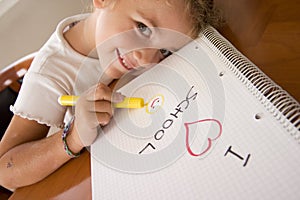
[[147, 56]]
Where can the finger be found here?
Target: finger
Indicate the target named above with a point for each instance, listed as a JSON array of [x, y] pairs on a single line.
[[102, 106], [100, 92], [97, 107], [103, 118]]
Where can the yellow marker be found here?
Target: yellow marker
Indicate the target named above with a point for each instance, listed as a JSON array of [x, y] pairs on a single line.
[[128, 102]]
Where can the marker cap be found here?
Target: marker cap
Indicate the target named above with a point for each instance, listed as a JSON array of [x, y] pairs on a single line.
[[66, 100]]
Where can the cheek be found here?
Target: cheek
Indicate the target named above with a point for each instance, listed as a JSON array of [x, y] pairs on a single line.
[[120, 37]]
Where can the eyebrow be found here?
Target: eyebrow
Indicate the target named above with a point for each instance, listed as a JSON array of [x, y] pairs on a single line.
[[154, 24], [151, 21]]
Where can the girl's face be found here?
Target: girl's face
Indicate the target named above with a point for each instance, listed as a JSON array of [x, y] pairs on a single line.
[[135, 34]]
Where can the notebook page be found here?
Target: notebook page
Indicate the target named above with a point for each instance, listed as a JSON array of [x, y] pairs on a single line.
[[152, 154]]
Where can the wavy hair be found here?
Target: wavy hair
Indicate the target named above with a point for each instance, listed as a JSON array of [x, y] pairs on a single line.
[[201, 12]]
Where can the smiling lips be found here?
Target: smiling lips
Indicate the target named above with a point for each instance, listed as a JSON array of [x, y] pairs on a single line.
[[123, 61]]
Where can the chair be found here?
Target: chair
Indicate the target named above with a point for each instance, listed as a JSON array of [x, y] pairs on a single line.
[[10, 83]]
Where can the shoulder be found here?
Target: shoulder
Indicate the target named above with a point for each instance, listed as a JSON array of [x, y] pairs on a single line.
[[57, 59], [58, 63], [57, 48]]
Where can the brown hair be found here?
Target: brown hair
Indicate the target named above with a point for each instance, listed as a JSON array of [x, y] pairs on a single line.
[[202, 13]]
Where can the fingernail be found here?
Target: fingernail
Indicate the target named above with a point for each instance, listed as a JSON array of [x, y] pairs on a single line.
[[117, 97]]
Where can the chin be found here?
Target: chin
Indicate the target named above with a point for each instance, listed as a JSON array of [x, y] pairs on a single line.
[[116, 75]]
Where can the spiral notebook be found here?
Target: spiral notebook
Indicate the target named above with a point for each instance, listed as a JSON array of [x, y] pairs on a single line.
[[213, 126]]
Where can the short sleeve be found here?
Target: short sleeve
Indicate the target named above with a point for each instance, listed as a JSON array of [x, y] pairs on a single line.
[[56, 70], [37, 100]]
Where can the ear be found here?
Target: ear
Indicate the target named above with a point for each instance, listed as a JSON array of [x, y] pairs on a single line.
[[99, 3]]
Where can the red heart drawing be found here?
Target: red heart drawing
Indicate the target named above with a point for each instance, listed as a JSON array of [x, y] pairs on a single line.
[[210, 140]]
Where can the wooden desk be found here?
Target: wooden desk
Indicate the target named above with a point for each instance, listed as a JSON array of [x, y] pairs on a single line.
[[268, 33], [71, 181]]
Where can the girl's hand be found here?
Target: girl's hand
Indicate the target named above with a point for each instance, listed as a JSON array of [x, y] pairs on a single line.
[[93, 109]]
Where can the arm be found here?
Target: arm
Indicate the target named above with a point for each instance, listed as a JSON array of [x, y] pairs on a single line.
[[27, 155]]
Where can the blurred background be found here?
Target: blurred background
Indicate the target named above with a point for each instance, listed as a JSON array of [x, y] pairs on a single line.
[[25, 25]]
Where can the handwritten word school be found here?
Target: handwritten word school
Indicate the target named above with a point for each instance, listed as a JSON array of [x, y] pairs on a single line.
[[179, 109]]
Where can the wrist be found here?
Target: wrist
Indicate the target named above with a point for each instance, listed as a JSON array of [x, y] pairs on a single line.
[[71, 147], [75, 139]]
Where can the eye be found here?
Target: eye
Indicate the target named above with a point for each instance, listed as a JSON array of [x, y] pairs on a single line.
[[165, 52], [145, 30]]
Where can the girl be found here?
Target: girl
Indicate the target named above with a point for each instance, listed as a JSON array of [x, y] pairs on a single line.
[[84, 56]]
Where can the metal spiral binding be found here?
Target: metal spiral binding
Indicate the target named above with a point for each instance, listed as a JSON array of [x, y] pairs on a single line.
[[276, 100]]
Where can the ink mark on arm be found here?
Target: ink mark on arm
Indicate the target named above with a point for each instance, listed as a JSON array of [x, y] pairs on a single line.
[[10, 163]]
